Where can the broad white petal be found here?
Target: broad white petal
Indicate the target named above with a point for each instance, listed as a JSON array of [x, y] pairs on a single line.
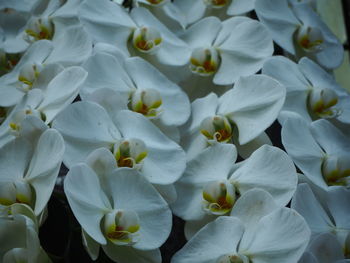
[[281, 236], [165, 160], [86, 199], [200, 109], [278, 17], [202, 33], [61, 91], [85, 126], [239, 7], [44, 167], [91, 246], [270, 169], [337, 200], [213, 164], [318, 76], [131, 255], [216, 239], [331, 139], [286, 72], [237, 58], [326, 248], [105, 72], [247, 149], [306, 204], [252, 206], [175, 103], [72, 48], [253, 105], [131, 191], [14, 159], [302, 148]]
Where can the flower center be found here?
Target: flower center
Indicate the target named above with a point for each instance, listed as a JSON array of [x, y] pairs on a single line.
[[216, 128], [15, 192], [27, 76], [336, 170], [216, 3], [321, 102], [39, 28], [130, 153], [204, 61], [146, 102], [146, 39], [219, 197], [121, 227], [310, 39]]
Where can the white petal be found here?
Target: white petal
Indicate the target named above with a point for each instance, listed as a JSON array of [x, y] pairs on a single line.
[[237, 58], [306, 204], [86, 199], [270, 169], [331, 139], [326, 248], [175, 103], [303, 149], [72, 48], [166, 160], [239, 7], [247, 149], [9, 96], [253, 105], [338, 198], [200, 109], [105, 72], [286, 72], [252, 206], [216, 239], [14, 159], [61, 91], [131, 191], [91, 246], [281, 236], [132, 255], [213, 164], [318, 76], [202, 33], [44, 167], [85, 126], [277, 16]]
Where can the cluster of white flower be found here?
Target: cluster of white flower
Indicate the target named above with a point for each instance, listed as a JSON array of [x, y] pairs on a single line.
[[169, 100]]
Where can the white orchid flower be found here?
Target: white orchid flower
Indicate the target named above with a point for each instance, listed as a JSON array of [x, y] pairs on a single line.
[[311, 91], [140, 31], [319, 149], [333, 218], [120, 211], [19, 241], [324, 248], [300, 31], [148, 91], [222, 50], [44, 102], [209, 188], [135, 142], [29, 172], [241, 114], [259, 232]]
